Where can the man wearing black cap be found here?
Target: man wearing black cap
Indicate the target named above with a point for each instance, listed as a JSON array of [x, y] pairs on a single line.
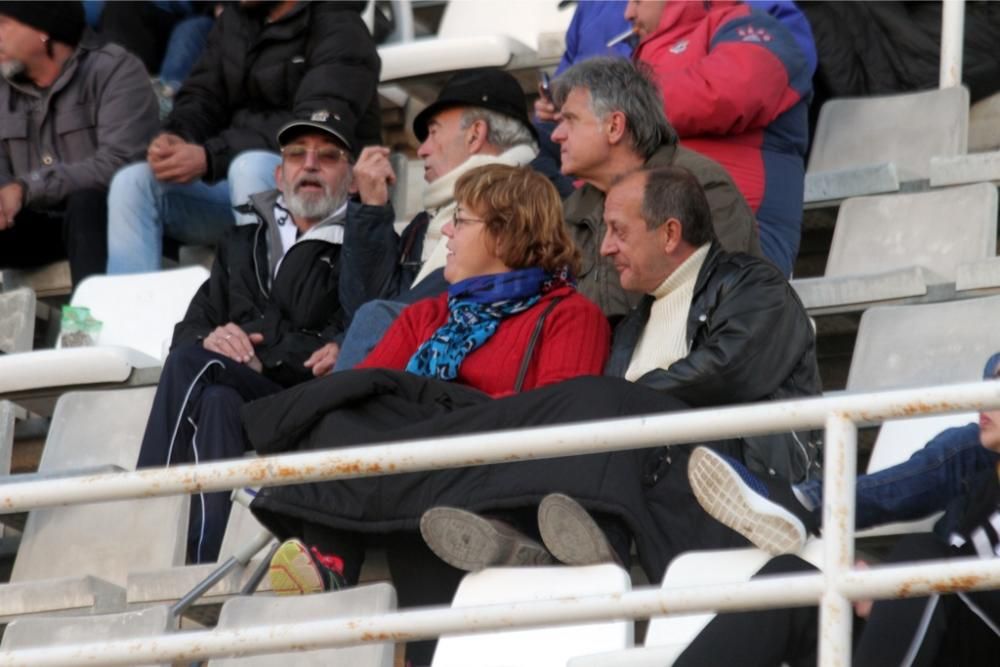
[[264, 320], [72, 111], [478, 118]]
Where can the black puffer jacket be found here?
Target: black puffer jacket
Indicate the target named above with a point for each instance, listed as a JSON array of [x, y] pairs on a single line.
[[749, 339], [297, 313], [255, 77]]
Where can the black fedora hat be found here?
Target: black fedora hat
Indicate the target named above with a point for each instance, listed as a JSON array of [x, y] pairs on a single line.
[[487, 88]]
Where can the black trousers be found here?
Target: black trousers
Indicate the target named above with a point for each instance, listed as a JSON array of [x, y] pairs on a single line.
[[79, 231], [937, 631], [196, 418]]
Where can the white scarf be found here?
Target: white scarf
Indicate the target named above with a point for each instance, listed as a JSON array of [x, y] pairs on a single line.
[[439, 202]]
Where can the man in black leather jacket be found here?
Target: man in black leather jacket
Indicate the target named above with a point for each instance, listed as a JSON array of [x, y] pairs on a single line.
[[713, 327]]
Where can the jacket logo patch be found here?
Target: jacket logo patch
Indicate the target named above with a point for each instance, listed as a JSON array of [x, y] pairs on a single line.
[[751, 34], [679, 47]]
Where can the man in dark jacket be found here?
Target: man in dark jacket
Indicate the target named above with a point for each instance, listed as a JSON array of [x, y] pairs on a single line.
[[265, 64], [611, 122], [72, 111], [712, 327], [264, 320]]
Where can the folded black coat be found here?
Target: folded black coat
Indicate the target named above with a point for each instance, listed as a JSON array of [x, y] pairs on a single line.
[[647, 489]]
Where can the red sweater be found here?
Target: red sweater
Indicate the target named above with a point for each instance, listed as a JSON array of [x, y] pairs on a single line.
[[575, 340]]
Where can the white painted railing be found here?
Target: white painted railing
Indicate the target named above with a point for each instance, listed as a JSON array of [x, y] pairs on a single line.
[[833, 589]]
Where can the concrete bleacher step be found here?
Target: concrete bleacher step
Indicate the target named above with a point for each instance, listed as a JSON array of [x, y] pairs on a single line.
[[107, 539], [51, 280], [57, 631]]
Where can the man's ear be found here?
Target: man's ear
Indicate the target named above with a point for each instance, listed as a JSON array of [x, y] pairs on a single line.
[[616, 127], [475, 136], [672, 235], [277, 174]]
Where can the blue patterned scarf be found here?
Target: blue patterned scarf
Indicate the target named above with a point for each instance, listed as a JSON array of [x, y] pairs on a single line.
[[476, 306]]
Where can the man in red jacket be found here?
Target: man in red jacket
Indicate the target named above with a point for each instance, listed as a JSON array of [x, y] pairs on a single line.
[[736, 87]]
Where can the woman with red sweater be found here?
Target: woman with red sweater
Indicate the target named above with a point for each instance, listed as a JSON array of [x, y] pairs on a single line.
[[511, 321], [510, 264]]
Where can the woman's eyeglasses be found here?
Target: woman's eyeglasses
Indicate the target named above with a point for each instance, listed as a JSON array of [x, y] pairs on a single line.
[[458, 221], [327, 156]]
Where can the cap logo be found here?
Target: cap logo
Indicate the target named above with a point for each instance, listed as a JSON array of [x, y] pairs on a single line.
[[486, 98], [320, 116]]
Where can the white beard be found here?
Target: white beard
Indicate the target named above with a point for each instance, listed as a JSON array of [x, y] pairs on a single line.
[[318, 206]]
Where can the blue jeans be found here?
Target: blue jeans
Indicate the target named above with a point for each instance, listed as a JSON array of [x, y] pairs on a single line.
[[142, 210], [187, 41], [367, 328], [923, 484]]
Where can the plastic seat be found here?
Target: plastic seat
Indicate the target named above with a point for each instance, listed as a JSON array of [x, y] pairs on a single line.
[[76, 558], [668, 636], [17, 320], [871, 145], [512, 34], [911, 346], [260, 611], [897, 440], [42, 632], [895, 247], [146, 586], [138, 313], [542, 647]]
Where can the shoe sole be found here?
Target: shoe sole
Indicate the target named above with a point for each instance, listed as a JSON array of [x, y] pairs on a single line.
[[726, 497], [292, 571], [571, 534], [469, 542]]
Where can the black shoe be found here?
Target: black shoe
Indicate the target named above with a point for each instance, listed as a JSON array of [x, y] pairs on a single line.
[[571, 534], [765, 512], [472, 543]]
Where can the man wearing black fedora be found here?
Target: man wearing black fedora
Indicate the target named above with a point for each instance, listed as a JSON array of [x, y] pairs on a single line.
[[264, 320], [479, 118]]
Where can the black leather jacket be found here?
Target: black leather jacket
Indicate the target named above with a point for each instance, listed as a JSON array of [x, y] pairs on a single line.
[[749, 339]]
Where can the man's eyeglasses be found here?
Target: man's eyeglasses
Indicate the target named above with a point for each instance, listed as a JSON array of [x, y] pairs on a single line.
[[327, 156], [457, 221]]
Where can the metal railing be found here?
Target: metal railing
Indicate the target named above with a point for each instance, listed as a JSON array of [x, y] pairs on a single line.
[[833, 589]]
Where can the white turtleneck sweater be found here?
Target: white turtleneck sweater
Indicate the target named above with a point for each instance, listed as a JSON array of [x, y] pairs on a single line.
[[664, 339], [439, 202]]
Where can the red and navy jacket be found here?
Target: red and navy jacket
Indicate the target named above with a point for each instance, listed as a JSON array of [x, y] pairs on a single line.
[[736, 87]]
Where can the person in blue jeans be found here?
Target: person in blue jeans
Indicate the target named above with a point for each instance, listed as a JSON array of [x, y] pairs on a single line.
[[778, 517], [265, 64]]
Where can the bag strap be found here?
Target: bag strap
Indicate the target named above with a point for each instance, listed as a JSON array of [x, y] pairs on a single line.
[[526, 361]]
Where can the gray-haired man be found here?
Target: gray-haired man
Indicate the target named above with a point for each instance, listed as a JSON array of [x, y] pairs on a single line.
[[611, 122]]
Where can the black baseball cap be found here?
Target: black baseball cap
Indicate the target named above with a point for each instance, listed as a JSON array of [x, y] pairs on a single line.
[[485, 87], [339, 125]]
